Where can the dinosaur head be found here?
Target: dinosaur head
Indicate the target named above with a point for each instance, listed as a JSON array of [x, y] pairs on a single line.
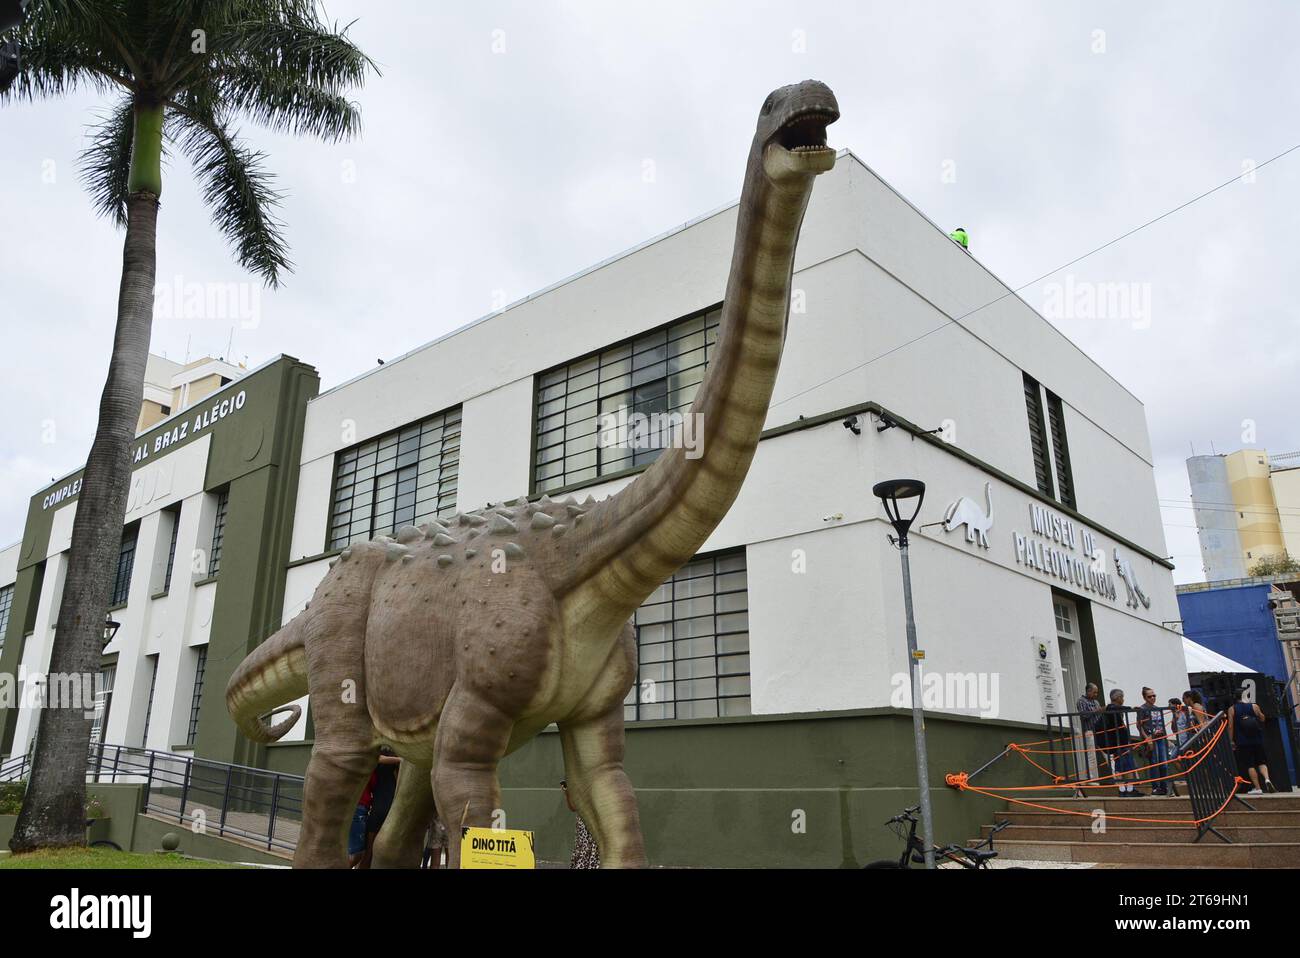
[[791, 133]]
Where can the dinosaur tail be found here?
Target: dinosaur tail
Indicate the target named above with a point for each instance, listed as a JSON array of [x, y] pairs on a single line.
[[272, 674]]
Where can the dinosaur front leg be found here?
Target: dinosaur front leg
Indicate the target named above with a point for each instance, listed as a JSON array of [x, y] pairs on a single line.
[[593, 765], [335, 780], [472, 737], [400, 842]]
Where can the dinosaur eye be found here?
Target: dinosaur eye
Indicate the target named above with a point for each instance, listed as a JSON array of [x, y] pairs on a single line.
[[767, 105]]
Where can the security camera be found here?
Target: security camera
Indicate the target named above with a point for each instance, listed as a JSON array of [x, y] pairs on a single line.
[[851, 424]]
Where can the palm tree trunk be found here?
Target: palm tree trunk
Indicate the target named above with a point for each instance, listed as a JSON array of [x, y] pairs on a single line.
[[53, 811]]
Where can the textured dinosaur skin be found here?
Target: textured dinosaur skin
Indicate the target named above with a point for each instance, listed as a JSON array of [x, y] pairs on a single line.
[[456, 642]]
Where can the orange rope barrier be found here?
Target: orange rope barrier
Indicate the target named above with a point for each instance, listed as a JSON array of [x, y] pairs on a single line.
[[961, 782]]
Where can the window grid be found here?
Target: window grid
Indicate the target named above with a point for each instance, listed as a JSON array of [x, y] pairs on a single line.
[[692, 639], [1060, 451], [6, 605], [218, 532], [171, 550], [125, 564], [193, 730], [659, 372], [148, 709], [1038, 436], [103, 700], [402, 478]]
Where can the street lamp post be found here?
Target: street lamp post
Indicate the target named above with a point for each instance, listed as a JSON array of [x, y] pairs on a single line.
[[897, 495]]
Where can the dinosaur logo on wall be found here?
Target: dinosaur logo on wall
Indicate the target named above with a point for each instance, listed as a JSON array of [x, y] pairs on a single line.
[[966, 512], [1124, 569]]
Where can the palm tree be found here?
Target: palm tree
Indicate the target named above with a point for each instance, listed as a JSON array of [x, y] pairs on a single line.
[[182, 72]]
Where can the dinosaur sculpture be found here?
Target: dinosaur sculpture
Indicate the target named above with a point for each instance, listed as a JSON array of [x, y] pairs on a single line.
[[456, 642], [965, 511]]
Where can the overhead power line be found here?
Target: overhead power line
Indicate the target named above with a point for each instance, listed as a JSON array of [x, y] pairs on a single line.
[[956, 321]]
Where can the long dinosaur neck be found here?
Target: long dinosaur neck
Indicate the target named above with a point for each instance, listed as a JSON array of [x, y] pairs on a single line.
[[629, 544]]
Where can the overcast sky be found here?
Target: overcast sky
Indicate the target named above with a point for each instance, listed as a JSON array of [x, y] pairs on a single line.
[[503, 149]]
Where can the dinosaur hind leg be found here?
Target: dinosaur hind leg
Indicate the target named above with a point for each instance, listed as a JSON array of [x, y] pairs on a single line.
[[335, 780], [472, 737], [600, 788], [401, 839]]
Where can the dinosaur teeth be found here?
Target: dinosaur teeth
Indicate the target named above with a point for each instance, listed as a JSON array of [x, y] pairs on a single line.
[[470, 553], [559, 530], [395, 551], [574, 510], [542, 521], [409, 534], [467, 519], [442, 539], [514, 550], [444, 561]]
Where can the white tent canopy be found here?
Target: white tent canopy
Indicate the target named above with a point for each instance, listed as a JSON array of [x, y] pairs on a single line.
[[1201, 659]]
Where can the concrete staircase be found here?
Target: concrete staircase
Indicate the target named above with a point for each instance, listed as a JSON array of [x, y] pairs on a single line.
[[1268, 837]]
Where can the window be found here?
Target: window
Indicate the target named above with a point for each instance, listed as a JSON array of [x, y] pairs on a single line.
[[1060, 451], [199, 668], [125, 563], [171, 549], [103, 699], [218, 532], [6, 604], [1038, 435], [399, 479], [148, 709], [1051, 451], [692, 639], [655, 373]]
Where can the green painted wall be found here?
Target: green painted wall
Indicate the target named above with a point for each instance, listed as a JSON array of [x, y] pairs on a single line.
[[725, 792], [255, 452]]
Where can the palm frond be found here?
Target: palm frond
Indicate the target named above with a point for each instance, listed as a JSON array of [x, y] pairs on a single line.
[[287, 104], [106, 163], [236, 187], [65, 44]]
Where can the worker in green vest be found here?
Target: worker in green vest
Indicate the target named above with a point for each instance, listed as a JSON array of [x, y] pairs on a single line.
[[959, 237]]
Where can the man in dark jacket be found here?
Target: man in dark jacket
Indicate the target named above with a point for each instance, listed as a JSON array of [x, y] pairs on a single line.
[[1113, 740]]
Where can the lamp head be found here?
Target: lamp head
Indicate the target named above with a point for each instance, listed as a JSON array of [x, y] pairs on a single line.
[[902, 500]]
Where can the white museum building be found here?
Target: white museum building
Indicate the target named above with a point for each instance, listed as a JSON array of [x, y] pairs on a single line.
[[904, 358]]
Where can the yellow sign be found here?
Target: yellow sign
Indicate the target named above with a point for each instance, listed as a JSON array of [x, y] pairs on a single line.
[[496, 848]]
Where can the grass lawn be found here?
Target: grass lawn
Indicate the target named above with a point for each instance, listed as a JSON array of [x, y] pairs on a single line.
[[104, 858]]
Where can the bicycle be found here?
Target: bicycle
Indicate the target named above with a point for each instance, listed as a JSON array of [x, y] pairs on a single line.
[[966, 856]]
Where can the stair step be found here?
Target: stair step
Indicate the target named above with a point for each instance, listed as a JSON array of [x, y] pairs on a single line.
[[1019, 816], [1124, 832], [1208, 852]]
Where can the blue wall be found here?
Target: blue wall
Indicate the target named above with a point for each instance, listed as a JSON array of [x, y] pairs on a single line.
[[1237, 623]]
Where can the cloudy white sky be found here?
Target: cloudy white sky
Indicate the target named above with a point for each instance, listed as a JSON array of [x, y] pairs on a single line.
[[504, 145]]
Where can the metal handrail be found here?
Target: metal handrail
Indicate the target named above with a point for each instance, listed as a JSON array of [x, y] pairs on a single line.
[[237, 800]]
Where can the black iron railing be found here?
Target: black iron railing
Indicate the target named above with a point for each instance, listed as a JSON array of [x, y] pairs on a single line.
[[214, 798], [1212, 778]]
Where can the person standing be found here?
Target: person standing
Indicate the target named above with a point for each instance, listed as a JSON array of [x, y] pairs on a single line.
[[1114, 740], [960, 237], [1246, 730], [585, 852], [1151, 723], [358, 853], [383, 788], [1089, 709]]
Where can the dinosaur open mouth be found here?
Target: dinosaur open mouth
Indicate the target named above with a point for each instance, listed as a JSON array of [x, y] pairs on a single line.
[[805, 132]]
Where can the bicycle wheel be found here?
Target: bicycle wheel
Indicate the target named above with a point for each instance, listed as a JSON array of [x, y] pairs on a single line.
[[883, 863], [105, 843]]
